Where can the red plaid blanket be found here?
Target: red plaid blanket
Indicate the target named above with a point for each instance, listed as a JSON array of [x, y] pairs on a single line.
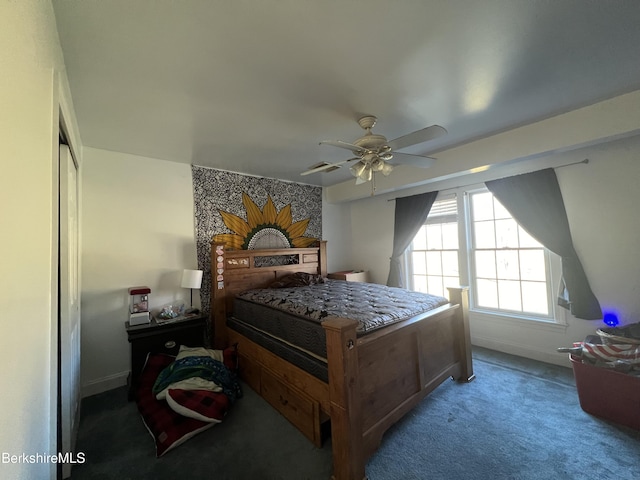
[[168, 428]]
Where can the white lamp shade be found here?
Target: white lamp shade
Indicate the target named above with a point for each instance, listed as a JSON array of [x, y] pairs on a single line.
[[191, 278]]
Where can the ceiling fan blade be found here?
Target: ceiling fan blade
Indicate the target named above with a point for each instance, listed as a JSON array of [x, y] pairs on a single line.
[[326, 166], [341, 144], [419, 136], [415, 160]]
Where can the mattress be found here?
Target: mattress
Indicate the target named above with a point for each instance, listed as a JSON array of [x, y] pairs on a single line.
[[303, 359], [294, 315]]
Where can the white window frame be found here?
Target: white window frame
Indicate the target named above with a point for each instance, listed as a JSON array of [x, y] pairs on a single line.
[[557, 316], [408, 254], [471, 249]]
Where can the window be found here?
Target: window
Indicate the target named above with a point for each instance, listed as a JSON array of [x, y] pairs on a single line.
[[474, 238], [434, 250], [509, 268]]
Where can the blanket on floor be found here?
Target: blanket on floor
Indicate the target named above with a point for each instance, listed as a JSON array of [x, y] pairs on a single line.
[[205, 368]]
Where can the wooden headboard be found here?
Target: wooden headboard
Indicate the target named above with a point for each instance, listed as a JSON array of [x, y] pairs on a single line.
[[234, 271]]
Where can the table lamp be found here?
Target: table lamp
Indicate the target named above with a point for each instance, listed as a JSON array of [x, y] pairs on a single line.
[[191, 279]]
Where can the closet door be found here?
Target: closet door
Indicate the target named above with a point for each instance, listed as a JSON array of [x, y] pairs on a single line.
[[70, 393]]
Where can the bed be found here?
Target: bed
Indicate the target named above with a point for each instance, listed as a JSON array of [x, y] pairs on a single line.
[[365, 378]]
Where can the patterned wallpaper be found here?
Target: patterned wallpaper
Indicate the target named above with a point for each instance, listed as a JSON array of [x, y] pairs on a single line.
[[216, 190]]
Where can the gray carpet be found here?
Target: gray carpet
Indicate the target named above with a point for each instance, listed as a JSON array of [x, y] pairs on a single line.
[[519, 419]]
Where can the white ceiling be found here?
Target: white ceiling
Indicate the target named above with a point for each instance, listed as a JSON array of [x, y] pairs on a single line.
[[253, 86]]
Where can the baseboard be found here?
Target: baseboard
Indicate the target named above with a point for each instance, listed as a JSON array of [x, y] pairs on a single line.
[[104, 384], [520, 350]]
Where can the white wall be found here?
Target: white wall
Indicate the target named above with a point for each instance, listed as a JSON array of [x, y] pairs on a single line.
[[137, 229], [32, 84], [602, 205], [600, 200], [337, 231]]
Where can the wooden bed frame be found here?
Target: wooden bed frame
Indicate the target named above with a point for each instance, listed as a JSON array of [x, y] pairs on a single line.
[[373, 380]]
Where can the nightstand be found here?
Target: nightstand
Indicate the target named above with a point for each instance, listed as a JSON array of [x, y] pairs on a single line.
[[163, 337], [350, 276]]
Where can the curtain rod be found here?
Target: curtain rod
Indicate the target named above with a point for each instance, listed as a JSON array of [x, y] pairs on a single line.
[[585, 161]]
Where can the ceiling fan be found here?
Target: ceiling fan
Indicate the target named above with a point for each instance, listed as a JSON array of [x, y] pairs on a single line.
[[374, 152]]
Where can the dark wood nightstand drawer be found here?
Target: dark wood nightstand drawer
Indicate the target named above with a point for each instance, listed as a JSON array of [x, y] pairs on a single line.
[[170, 341]]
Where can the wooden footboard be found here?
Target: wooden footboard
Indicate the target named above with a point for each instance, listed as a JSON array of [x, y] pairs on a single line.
[[373, 380]]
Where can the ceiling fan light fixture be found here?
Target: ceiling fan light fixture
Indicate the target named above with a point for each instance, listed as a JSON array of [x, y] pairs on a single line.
[[357, 169], [386, 156], [377, 165], [387, 169], [366, 175]]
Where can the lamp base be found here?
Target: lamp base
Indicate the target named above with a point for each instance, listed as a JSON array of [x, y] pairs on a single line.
[[192, 310]]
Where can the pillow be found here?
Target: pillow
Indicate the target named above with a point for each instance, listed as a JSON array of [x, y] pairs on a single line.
[[199, 352], [202, 405], [228, 356], [168, 428], [298, 279]]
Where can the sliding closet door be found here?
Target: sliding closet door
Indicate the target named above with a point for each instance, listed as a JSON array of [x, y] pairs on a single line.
[[69, 306]]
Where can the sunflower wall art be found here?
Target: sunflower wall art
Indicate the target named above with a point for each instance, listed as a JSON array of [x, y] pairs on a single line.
[[263, 228], [251, 212]]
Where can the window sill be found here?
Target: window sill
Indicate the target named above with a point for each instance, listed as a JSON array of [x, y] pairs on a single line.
[[506, 319]]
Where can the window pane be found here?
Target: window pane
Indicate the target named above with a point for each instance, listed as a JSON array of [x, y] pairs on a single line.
[[484, 234], [534, 298], [450, 282], [434, 285], [420, 240], [526, 240], [434, 263], [482, 204], [434, 237], [509, 295], [507, 264], [420, 283], [487, 293], [499, 210], [450, 264], [506, 233], [419, 263], [450, 236], [532, 265], [486, 263]]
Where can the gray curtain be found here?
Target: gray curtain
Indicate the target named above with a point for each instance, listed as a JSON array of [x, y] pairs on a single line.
[[535, 201], [411, 213]]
